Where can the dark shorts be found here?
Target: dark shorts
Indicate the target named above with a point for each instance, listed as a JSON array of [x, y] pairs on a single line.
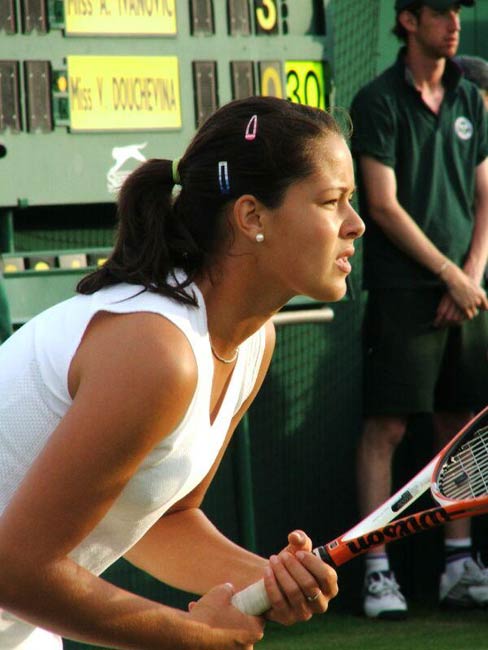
[[412, 367]]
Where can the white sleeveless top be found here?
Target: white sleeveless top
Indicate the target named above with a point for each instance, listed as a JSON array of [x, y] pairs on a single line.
[[34, 396]]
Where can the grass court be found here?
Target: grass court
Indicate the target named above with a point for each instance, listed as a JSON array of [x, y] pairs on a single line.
[[425, 629]]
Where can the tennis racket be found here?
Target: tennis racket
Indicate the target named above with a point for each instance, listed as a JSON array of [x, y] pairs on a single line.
[[458, 481]]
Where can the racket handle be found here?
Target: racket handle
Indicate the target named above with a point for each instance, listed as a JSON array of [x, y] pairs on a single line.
[[252, 600], [324, 555]]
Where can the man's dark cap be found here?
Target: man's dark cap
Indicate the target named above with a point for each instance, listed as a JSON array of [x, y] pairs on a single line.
[[438, 5]]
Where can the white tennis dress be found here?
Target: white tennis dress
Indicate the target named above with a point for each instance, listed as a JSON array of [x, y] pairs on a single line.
[[34, 396]]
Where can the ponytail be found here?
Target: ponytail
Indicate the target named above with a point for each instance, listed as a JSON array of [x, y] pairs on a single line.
[[149, 243]]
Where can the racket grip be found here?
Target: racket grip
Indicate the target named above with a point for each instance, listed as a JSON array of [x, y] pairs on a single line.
[[252, 600], [324, 555]]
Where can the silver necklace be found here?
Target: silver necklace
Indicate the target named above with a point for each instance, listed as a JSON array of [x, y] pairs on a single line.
[[219, 358]]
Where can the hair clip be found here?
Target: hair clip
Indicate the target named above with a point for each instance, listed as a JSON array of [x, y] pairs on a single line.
[[224, 177], [175, 174], [252, 127]]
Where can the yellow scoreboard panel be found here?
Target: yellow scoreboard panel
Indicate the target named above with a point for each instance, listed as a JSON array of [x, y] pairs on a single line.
[[91, 88], [117, 93], [305, 83], [111, 17]]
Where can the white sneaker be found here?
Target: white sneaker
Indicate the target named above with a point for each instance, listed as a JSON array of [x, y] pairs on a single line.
[[467, 588], [382, 596]]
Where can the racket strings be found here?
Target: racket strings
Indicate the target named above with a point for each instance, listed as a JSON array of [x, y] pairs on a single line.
[[465, 475]]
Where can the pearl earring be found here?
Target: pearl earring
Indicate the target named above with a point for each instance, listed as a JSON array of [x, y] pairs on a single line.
[[259, 237]]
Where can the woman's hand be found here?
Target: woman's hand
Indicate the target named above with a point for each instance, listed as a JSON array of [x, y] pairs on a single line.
[[239, 631], [298, 583]]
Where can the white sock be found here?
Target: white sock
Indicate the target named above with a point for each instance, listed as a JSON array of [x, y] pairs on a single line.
[[458, 550], [377, 562], [457, 541]]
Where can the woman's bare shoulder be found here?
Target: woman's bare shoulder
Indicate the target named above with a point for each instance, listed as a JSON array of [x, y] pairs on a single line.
[[136, 358]]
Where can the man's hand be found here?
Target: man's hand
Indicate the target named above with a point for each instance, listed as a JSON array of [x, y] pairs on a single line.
[[466, 293], [448, 313]]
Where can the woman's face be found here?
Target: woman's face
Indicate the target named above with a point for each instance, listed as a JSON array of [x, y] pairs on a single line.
[[310, 236]]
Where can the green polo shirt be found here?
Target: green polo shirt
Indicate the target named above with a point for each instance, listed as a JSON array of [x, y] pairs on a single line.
[[434, 158]]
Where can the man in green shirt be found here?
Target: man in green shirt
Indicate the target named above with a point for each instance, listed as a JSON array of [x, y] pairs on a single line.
[[420, 142]]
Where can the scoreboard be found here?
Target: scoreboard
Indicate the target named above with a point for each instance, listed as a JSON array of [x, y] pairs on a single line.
[[91, 88]]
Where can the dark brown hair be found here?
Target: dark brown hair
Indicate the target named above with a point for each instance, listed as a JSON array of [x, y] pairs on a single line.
[[399, 30], [159, 232]]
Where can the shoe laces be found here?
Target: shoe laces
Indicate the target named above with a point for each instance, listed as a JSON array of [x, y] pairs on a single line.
[[382, 583]]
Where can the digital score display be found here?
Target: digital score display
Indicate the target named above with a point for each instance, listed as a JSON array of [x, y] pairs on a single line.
[[266, 13], [305, 83], [124, 93], [124, 17], [271, 79]]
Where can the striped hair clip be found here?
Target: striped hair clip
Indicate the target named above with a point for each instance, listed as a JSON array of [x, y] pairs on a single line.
[[223, 171]]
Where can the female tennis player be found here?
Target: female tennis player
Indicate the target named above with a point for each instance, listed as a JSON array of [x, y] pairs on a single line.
[[117, 404]]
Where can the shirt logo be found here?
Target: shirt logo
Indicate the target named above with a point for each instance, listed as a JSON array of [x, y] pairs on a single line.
[[463, 128]]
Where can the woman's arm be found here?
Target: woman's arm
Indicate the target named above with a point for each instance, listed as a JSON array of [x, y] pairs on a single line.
[[185, 550], [123, 404], [169, 550]]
